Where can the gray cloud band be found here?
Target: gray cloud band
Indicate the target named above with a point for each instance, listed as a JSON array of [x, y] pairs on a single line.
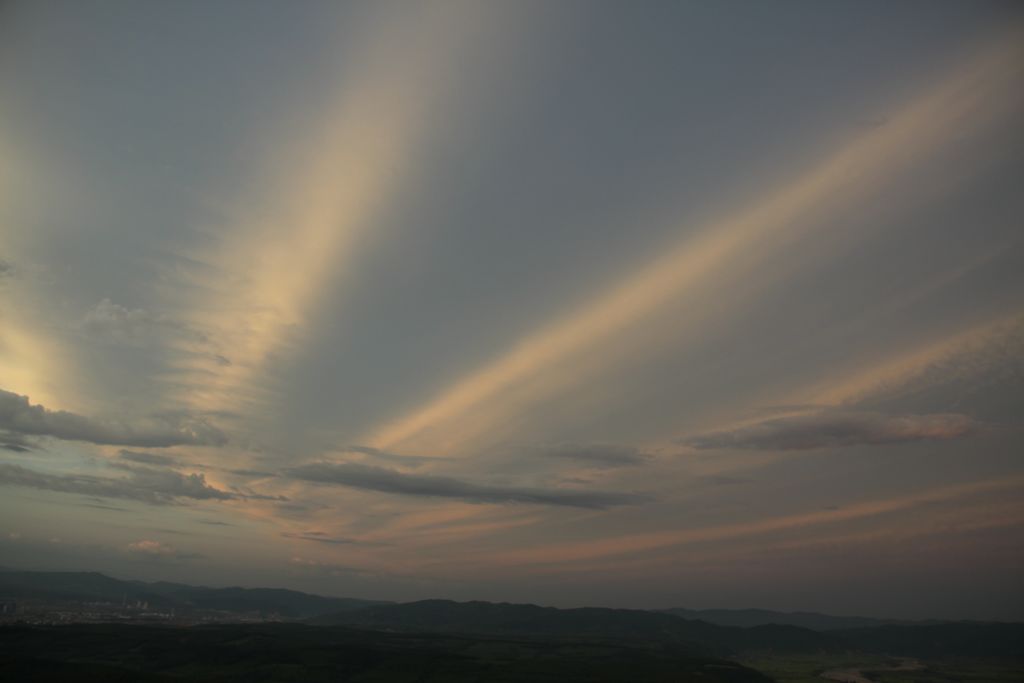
[[156, 487], [19, 416], [390, 481]]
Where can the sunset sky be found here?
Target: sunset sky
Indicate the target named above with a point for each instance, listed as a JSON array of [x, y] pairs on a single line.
[[634, 304]]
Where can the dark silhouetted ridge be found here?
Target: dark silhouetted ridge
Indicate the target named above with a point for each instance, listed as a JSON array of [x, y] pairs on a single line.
[[446, 616]]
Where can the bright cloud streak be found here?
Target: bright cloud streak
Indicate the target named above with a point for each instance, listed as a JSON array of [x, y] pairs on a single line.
[[271, 268], [635, 543], [868, 162], [893, 373]]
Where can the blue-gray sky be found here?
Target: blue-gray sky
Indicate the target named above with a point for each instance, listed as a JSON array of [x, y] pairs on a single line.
[[634, 304]]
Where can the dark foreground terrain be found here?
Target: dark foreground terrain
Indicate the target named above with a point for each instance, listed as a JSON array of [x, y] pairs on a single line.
[[81, 626], [293, 652]]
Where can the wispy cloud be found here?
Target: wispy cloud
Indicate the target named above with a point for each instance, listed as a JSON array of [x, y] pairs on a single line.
[[318, 537], [478, 401], [390, 481], [19, 416], [328, 568], [399, 459], [984, 352], [640, 542], [118, 324], [836, 429], [597, 455], [149, 458], [352, 161], [15, 442], [158, 549]]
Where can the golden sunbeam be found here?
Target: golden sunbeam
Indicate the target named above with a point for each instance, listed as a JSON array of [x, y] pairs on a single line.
[[885, 377], [968, 97], [270, 268], [892, 373]]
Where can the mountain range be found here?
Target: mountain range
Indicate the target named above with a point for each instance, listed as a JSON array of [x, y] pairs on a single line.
[[93, 586], [736, 631]]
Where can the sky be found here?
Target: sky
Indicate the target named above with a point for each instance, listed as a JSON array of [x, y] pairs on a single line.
[[579, 303]]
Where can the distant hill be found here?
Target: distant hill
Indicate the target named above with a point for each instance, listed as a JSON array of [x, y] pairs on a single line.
[[746, 618], [960, 639], [287, 603], [93, 586], [806, 633], [505, 619], [79, 586]]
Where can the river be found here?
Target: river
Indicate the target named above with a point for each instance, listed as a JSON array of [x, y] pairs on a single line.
[[857, 675]]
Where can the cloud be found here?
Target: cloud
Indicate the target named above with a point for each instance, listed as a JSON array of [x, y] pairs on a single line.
[[836, 430], [319, 537], [156, 549], [177, 485], [722, 480], [116, 323], [389, 481], [638, 542], [156, 487], [982, 355], [248, 473], [542, 363], [328, 568], [15, 442], [100, 506], [407, 460], [18, 415], [151, 548], [6, 270], [215, 522], [149, 458], [599, 455]]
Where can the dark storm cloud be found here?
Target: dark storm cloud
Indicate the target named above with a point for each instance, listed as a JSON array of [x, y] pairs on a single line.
[[19, 416], [836, 430], [600, 455], [156, 487], [389, 481]]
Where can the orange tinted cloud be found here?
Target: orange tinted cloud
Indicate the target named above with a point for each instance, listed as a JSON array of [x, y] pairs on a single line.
[[641, 542]]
